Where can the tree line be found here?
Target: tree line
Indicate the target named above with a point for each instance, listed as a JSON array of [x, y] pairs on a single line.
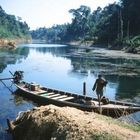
[[12, 27], [116, 24]]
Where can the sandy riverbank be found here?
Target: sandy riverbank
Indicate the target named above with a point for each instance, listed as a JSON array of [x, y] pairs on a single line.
[[103, 52], [115, 54], [12, 43]]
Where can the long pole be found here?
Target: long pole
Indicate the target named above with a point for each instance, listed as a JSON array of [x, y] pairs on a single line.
[[84, 88], [11, 73], [6, 79], [1, 80], [6, 86]]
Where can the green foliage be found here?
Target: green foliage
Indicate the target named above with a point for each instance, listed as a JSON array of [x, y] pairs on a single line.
[[132, 42], [131, 126], [80, 23], [114, 24], [55, 34], [10, 27], [85, 26], [131, 10], [104, 136], [136, 41]]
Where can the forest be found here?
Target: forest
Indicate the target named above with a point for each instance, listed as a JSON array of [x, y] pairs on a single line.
[[12, 27], [115, 25]]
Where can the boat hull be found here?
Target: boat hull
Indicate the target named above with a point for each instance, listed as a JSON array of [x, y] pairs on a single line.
[[114, 109]]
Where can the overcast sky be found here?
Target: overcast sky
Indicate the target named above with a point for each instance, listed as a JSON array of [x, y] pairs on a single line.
[[46, 13]]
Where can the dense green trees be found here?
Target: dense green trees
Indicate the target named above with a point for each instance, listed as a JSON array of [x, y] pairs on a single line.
[[85, 26], [131, 10], [79, 27], [131, 22], [10, 27], [116, 24], [54, 34]]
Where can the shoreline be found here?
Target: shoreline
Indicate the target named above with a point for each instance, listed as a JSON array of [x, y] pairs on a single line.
[[128, 64], [12, 43], [116, 54], [103, 52]]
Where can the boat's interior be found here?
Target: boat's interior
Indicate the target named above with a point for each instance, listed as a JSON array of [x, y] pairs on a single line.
[[49, 95], [69, 97]]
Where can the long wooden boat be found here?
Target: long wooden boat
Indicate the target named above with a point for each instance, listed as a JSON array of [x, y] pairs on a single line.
[[44, 96]]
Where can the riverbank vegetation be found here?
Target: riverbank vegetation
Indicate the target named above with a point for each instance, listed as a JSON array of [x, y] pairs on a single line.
[[12, 29], [115, 25]]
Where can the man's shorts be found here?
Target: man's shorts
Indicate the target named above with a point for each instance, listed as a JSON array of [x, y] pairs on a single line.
[[99, 93]]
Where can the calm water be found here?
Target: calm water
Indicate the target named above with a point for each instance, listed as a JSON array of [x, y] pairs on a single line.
[[49, 66]]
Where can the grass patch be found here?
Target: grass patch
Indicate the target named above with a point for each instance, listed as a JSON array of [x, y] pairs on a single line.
[[134, 127], [104, 136]]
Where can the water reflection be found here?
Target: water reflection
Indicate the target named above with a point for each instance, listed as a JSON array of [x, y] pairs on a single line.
[[19, 100], [129, 87], [12, 56], [50, 66], [54, 50], [47, 64]]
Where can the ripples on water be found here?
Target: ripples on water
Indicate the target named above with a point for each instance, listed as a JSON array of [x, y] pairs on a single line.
[[48, 65]]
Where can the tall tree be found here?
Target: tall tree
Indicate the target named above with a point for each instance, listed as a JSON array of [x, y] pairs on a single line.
[[80, 21], [10, 27], [131, 10]]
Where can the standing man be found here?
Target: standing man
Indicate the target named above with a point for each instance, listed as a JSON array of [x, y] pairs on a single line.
[[99, 84]]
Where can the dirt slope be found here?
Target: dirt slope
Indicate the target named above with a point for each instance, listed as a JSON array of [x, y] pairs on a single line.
[[55, 123]]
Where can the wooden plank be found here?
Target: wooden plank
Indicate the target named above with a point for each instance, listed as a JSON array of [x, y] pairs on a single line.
[[47, 94], [59, 97], [44, 94], [52, 95], [36, 92], [114, 106], [65, 99]]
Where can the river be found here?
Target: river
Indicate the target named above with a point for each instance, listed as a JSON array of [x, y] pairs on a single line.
[[49, 65]]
